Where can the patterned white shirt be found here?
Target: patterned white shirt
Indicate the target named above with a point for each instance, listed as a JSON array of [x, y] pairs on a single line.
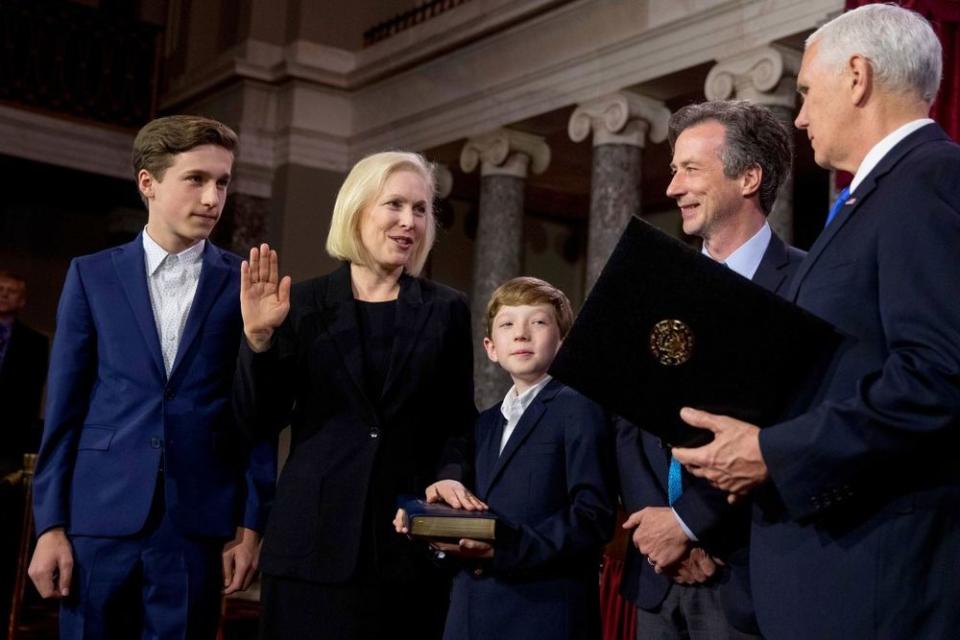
[[172, 281]]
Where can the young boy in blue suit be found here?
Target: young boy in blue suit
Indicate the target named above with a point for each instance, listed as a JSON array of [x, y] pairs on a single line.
[[542, 465], [142, 479]]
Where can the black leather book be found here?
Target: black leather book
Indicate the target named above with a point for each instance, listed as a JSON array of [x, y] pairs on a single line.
[[441, 522]]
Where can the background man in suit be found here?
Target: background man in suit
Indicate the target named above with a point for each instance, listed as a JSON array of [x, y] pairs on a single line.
[[853, 533], [23, 368], [140, 479], [729, 159]]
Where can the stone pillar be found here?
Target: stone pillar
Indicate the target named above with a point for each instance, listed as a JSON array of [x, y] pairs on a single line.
[[504, 157], [621, 123], [248, 222], [768, 76]]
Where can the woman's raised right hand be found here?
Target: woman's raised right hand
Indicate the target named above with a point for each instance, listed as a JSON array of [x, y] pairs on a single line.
[[264, 296]]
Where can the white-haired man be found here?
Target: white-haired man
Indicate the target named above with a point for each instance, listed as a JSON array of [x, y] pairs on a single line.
[[858, 495]]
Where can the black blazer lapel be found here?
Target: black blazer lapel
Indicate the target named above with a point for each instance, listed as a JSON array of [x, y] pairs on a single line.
[[412, 314], [213, 277], [128, 261], [343, 330], [526, 425], [922, 135], [490, 431]]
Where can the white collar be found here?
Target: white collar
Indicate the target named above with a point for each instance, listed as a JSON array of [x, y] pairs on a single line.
[[882, 148], [155, 254], [747, 257], [520, 402]]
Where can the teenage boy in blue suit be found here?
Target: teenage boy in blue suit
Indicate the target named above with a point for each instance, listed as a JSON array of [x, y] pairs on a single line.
[[142, 480], [543, 465]]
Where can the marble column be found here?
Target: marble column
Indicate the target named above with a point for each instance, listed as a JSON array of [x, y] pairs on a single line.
[[248, 221], [504, 157], [766, 75], [621, 123]]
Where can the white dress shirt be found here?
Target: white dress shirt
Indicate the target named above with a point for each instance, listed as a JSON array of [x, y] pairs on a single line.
[[882, 148], [515, 404], [746, 259], [172, 281]]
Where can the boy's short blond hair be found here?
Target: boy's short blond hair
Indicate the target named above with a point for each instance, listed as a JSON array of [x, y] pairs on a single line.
[[362, 185], [530, 291]]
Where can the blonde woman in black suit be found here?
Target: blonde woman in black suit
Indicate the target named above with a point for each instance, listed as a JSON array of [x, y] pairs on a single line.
[[371, 366]]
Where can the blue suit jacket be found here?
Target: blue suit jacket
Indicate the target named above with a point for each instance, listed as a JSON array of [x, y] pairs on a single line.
[[552, 492], [112, 412], [722, 529], [856, 535]]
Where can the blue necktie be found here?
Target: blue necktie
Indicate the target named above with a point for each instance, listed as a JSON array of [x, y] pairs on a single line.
[[674, 481], [835, 209]]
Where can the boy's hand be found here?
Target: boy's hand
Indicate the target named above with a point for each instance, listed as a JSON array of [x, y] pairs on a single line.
[[467, 548], [264, 296], [241, 556], [400, 522], [455, 495], [52, 565]]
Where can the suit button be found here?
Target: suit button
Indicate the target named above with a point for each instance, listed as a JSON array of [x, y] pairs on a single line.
[[156, 443], [169, 394], [374, 433]]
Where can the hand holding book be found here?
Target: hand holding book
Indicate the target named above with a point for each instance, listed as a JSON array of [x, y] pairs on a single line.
[[464, 531]]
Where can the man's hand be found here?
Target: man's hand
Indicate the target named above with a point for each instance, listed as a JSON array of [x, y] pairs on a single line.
[[241, 556], [264, 297], [695, 568], [467, 548], [400, 522], [658, 535], [52, 565], [454, 494], [732, 462]]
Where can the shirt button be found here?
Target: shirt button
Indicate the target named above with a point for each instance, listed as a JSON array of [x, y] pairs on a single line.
[[374, 433], [169, 394], [155, 442]]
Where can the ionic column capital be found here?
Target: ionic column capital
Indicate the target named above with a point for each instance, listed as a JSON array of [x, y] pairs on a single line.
[[505, 152], [623, 117], [765, 75], [444, 180]]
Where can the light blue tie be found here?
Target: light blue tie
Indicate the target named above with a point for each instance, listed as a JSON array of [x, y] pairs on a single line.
[[674, 481], [835, 209]]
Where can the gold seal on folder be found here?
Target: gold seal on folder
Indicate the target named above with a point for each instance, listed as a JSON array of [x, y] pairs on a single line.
[[671, 342]]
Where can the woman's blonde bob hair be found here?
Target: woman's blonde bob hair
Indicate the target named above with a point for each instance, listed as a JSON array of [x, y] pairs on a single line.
[[363, 184]]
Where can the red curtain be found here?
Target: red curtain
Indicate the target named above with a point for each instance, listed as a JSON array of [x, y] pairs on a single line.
[[944, 15]]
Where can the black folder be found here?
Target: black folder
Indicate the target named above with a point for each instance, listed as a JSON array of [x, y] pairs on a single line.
[[666, 327]]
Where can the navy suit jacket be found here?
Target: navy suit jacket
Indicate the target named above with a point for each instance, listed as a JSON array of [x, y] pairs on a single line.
[[552, 491], [112, 413], [855, 537], [722, 529]]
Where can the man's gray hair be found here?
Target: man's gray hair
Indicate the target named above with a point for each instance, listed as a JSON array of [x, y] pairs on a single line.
[[752, 137], [900, 44]]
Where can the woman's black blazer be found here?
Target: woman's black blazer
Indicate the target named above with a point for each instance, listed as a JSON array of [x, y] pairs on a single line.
[[311, 378]]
